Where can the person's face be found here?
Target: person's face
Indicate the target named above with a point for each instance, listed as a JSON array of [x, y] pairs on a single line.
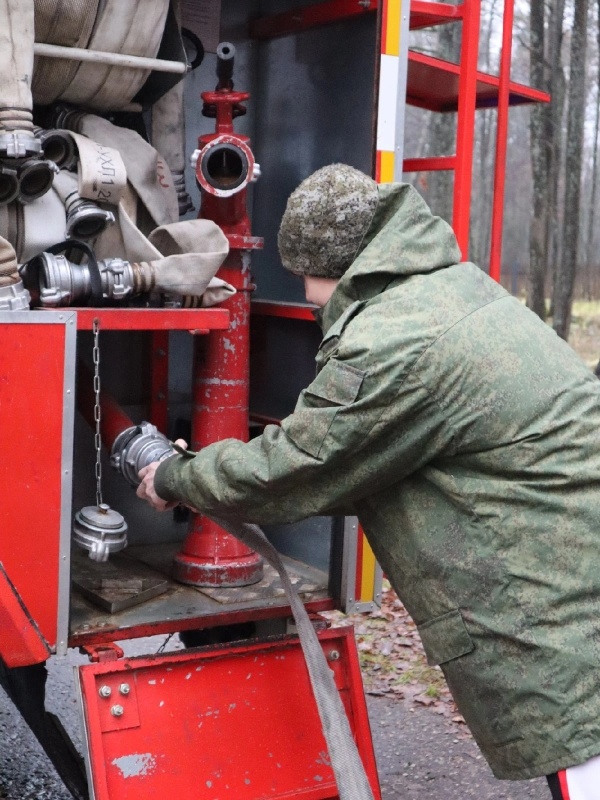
[[319, 290]]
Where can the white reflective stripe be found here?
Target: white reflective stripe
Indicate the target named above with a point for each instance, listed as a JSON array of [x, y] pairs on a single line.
[[102, 173], [134, 27], [16, 61], [387, 104], [583, 781]]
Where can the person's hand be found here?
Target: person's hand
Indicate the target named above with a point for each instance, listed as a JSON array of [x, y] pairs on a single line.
[[146, 490]]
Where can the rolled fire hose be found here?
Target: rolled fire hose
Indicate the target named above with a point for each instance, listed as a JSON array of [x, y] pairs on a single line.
[[63, 22], [134, 27], [23, 171], [16, 67]]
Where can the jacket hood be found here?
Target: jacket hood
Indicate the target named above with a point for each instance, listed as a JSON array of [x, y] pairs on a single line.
[[404, 239]]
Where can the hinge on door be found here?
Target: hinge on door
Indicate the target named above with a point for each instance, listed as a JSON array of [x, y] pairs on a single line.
[[99, 653]]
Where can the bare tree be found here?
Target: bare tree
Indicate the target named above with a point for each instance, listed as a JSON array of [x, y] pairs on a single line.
[[536, 291], [566, 267], [546, 72], [589, 242]]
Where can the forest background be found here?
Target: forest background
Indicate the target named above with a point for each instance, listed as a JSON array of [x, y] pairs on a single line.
[[551, 243]]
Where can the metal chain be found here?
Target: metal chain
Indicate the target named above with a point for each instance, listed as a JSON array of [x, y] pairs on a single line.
[[97, 411]]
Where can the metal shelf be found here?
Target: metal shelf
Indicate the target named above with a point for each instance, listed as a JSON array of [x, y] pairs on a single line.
[[427, 15], [434, 84]]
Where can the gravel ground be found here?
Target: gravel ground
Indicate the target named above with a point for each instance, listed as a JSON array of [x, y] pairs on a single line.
[[420, 755]]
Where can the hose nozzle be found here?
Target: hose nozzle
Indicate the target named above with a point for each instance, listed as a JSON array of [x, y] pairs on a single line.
[[85, 220], [136, 447]]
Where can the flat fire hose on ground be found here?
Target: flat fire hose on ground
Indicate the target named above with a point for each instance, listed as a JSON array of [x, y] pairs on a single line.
[[346, 763]]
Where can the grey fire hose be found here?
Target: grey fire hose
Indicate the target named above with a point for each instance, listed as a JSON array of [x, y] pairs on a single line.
[[350, 775]]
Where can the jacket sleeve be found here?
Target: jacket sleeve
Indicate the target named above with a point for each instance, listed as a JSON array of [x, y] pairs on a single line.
[[353, 432]]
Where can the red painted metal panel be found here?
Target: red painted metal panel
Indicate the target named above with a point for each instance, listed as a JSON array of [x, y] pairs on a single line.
[[156, 319], [32, 364], [236, 722], [434, 84], [21, 643]]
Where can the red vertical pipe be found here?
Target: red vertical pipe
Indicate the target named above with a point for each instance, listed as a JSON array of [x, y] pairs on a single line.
[[210, 556], [501, 141], [467, 95]]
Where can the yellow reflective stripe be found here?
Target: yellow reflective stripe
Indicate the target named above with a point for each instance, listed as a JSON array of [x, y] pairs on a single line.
[[392, 32], [367, 582], [386, 167]]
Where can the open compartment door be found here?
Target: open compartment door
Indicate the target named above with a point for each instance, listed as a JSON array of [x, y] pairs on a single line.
[[234, 721]]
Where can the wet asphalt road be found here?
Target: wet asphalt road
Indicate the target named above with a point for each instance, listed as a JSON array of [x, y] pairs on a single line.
[[420, 755]]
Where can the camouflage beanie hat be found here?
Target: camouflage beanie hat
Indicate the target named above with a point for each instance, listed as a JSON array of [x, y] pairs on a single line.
[[325, 221]]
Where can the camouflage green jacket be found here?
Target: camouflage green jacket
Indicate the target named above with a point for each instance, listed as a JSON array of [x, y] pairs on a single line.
[[466, 437]]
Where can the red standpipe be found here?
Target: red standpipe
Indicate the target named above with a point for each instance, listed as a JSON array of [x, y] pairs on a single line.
[[225, 167]]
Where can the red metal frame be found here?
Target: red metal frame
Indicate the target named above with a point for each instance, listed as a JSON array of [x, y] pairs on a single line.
[[304, 18], [501, 141], [153, 319], [467, 97], [434, 164], [441, 86], [422, 15], [426, 15], [435, 84]]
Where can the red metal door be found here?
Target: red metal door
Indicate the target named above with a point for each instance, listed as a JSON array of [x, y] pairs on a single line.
[[37, 360], [235, 722]]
